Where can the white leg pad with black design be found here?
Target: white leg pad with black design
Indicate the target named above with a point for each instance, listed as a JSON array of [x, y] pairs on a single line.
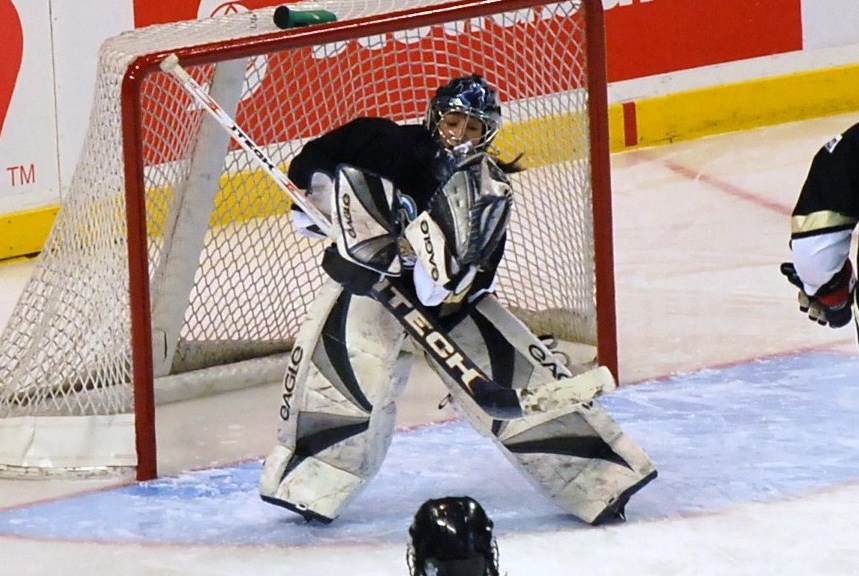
[[575, 453], [580, 458], [337, 409], [314, 488]]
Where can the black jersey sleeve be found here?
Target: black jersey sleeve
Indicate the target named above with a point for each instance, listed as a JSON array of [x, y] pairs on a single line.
[[831, 188], [401, 154]]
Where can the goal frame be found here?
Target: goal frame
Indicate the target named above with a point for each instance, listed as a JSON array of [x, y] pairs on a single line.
[[132, 113]]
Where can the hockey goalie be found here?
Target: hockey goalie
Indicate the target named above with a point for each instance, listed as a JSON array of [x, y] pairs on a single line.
[[419, 216]]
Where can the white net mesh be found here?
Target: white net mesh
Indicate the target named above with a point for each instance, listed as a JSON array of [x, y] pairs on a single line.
[[229, 279]]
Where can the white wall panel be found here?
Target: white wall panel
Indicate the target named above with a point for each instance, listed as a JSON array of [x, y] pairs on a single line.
[[829, 23], [79, 30]]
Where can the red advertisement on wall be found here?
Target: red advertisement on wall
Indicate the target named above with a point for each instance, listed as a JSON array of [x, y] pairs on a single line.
[[647, 37], [11, 53]]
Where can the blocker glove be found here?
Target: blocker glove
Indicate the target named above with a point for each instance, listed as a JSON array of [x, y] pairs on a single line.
[[831, 304], [354, 278]]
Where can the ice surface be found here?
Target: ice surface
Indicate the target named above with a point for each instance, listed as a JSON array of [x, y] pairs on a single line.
[[756, 432]]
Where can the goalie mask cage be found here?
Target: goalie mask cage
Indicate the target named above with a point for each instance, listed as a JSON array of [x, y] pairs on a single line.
[[172, 267]]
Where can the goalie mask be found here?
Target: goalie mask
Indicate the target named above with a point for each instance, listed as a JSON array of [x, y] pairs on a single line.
[[452, 537], [474, 99]]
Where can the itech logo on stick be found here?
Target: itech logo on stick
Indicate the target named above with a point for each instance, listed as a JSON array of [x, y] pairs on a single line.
[[11, 53]]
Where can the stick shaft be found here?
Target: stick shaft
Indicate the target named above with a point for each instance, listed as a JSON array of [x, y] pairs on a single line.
[[260, 157]]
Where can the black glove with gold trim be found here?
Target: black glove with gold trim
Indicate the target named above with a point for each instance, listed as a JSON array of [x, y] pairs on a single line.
[[832, 304]]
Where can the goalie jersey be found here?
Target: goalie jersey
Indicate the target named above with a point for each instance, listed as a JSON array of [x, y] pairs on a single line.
[[407, 155], [827, 211]]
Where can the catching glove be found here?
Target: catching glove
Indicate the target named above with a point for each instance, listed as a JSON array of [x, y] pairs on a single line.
[[831, 304]]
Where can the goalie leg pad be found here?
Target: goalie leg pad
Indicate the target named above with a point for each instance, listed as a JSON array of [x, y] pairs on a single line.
[[566, 444], [337, 407], [505, 349], [561, 359], [580, 458]]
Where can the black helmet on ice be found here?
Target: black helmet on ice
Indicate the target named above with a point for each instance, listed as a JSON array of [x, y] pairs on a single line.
[[452, 537], [470, 95]]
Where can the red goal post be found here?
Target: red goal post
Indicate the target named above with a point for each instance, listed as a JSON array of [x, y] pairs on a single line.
[[172, 260]]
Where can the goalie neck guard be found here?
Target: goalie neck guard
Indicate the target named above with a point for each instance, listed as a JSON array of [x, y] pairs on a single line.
[[452, 536]]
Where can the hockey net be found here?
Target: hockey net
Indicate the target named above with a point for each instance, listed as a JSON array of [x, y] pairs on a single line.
[[173, 257]]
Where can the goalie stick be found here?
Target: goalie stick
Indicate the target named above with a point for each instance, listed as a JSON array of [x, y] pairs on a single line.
[[496, 400]]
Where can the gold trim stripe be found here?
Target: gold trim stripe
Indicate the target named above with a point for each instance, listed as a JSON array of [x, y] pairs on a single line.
[[823, 220]]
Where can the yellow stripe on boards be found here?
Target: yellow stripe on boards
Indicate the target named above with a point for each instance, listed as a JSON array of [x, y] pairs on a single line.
[[739, 106], [23, 233]]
